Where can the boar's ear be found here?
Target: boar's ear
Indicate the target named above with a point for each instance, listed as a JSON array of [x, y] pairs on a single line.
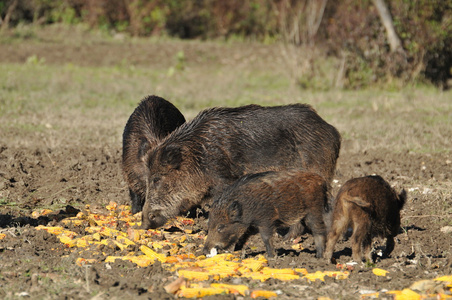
[[171, 156], [235, 211]]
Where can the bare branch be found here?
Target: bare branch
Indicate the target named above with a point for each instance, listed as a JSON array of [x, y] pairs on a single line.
[[394, 41]]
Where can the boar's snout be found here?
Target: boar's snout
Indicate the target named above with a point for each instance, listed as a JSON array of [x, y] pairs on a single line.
[[153, 220]]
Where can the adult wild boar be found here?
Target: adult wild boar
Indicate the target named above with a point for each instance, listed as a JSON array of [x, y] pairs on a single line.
[[372, 208], [153, 119], [201, 157], [268, 201]]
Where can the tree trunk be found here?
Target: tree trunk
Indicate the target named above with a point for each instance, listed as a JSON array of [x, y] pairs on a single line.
[[394, 42], [5, 21]]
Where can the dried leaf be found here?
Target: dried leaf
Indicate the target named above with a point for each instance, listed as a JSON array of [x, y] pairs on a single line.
[[174, 286]]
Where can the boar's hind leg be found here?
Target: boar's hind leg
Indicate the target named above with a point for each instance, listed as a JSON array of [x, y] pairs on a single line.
[[339, 226], [266, 235], [137, 202], [360, 232], [317, 226]]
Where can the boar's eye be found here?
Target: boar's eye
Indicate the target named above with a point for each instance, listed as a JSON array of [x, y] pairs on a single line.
[[220, 227], [155, 180]]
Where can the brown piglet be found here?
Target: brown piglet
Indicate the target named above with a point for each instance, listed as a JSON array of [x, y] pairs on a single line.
[[266, 202], [371, 207]]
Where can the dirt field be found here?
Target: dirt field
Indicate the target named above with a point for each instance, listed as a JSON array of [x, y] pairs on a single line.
[[65, 153]]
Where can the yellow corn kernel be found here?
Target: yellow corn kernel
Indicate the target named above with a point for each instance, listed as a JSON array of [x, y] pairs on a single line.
[[111, 206], [200, 292], [82, 242], [405, 294], [124, 240], [379, 272], [272, 271], [262, 293], [120, 245], [113, 258], [447, 278], [152, 254], [313, 276], [83, 261], [194, 275], [301, 270], [141, 260], [96, 236], [67, 241], [285, 277], [232, 288], [337, 274]]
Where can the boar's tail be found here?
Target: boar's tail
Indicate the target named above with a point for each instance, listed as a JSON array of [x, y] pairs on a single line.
[[402, 198], [357, 200]]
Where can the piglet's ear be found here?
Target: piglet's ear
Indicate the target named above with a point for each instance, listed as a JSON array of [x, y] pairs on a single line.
[[235, 211], [171, 156]]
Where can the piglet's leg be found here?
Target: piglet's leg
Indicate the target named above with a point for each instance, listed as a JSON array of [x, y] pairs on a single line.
[[338, 227], [266, 235], [367, 247]]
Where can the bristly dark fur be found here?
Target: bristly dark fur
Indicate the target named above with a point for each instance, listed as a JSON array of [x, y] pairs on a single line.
[[268, 201], [196, 161], [152, 120]]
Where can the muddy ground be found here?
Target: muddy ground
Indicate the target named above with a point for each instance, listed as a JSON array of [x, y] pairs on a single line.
[[34, 174]]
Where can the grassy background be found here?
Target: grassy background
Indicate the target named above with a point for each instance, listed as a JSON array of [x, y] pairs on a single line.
[[44, 89]]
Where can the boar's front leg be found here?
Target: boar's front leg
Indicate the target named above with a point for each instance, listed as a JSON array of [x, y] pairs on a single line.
[[266, 235], [137, 202], [317, 226], [389, 246]]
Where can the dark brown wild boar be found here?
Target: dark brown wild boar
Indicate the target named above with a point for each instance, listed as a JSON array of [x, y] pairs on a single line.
[[152, 120], [201, 157], [268, 201], [372, 208]]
